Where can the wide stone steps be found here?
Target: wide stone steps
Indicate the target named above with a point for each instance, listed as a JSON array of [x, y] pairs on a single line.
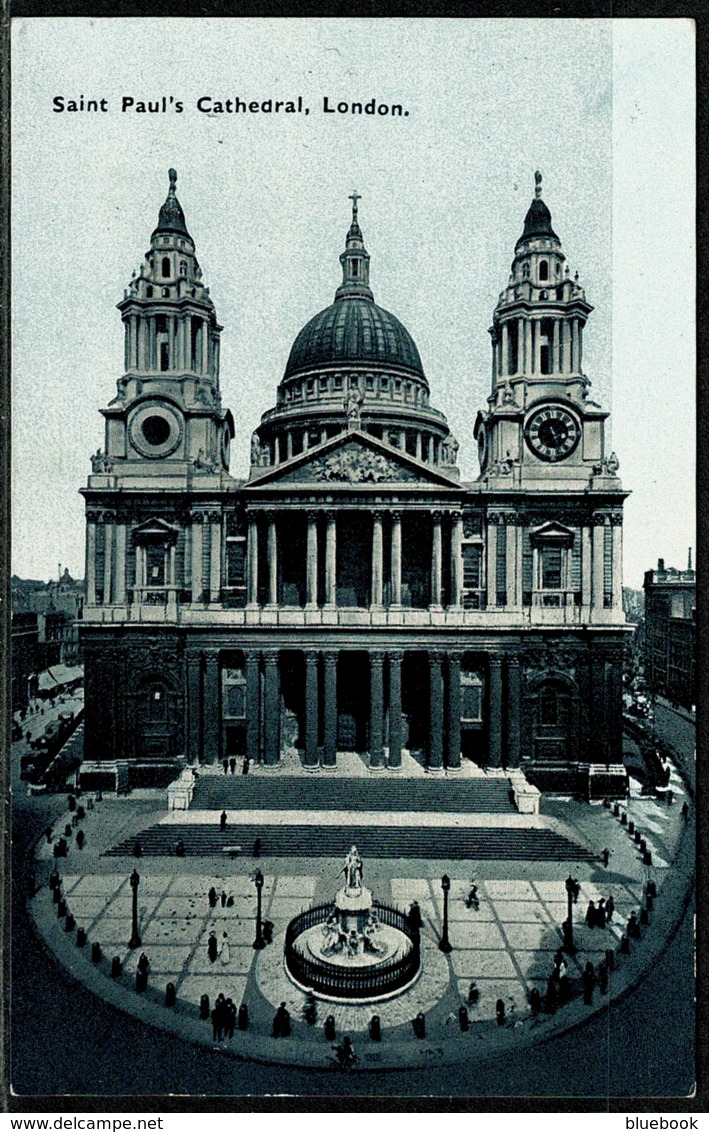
[[415, 795], [448, 843]]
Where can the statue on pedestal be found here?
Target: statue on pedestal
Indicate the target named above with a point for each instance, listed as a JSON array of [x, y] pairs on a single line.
[[352, 869]]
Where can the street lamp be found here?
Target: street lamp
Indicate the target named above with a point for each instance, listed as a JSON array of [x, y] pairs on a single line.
[[259, 942], [445, 943], [135, 940], [569, 946]]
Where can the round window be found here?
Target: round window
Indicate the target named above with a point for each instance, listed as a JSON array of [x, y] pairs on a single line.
[[156, 430]]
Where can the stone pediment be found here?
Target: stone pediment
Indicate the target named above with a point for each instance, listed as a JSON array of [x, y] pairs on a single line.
[[552, 532], [156, 528], [354, 458]]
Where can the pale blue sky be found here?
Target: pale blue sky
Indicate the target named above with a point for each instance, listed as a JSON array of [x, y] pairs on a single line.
[[604, 110]]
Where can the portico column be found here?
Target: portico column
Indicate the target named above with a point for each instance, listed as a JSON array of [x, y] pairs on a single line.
[[107, 556], [134, 341], [436, 561], [457, 560], [537, 327], [575, 352], [91, 561], [289, 444], [331, 561], [395, 730], [586, 566], [491, 561], [376, 712], [252, 562], [311, 568], [215, 557], [311, 709], [511, 561], [565, 347], [505, 350], [212, 714], [252, 706], [454, 711], [429, 448], [272, 709], [197, 583], [396, 560], [172, 342], [377, 560], [617, 533], [528, 355], [329, 754], [598, 555], [495, 712], [435, 749], [272, 561], [204, 347], [194, 708], [514, 686], [419, 445], [120, 583], [555, 348]]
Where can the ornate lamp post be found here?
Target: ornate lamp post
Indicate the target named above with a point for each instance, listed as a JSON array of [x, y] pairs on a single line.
[[445, 943], [135, 940], [569, 946], [259, 942]]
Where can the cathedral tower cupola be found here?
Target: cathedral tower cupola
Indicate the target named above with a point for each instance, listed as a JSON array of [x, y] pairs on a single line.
[[355, 262], [538, 324], [170, 322]]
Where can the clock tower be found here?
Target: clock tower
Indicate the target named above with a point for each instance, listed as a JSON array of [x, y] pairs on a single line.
[[541, 425]]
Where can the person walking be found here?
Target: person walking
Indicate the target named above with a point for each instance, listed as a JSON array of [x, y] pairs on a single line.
[[212, 947], [212, 897], [245, 766], [232, 765], [225, 764], [224, 954], [223, 899], [230, 1012], [591, 915], [610, 909], [589, 983], [223, 820], [601, 913], [605, 857]]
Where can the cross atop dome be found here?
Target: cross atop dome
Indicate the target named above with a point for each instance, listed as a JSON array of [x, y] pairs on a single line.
[[538, 185], [354, 197]]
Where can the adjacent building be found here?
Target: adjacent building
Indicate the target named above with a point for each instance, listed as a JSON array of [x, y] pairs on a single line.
[[670, 632], [347, 592]]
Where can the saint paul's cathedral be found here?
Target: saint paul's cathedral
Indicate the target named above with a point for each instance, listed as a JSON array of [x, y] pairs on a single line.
[[349, 593]]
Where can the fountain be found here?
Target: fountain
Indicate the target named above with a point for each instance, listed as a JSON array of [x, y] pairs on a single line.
[[353, 949]]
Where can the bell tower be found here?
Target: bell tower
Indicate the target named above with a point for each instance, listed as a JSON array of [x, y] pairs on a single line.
[[167, 416], [541, 425]]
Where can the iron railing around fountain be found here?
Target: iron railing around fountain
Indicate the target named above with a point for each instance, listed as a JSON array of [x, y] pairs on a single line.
[[357, 982]]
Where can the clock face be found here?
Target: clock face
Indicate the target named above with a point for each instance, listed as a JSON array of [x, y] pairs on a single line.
[[552, 433]]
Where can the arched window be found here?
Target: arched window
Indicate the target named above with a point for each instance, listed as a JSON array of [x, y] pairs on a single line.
[[355, 268], [183, 267], [149, 292], [549, 706], [543, 270], [166, 267]]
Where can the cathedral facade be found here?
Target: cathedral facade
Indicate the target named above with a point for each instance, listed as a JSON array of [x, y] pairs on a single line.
[[351, 594]]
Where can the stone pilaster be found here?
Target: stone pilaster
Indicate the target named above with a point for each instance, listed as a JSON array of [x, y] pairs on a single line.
[[514, 710], [436, 561], [395, 729], [212, 708], [253, 704], [330, 709], [194, 708], [272, 551], [454, 710], [252, 562], [311, 568], [272, 709], [377, 560], [396, 559], [331, 560], [376, 711], [495, 711], [435, 748], [311, 709]]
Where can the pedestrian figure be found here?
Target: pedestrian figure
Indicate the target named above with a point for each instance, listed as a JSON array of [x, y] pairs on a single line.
[[603, 977], [48, 834], [137, 848], [610, 909], [633, 927], [80, 839], [471, 900], [223, 820], [670, 797], [560, 964], [281, 1022], [245, 766], [225, 764], [500, 1012], [180, 848], [223, 899], [685, 811], [212, 897], [224, 950], [257, 847], [230, 901], [415, 917], [310, 1009], [232, 765], [230, 1019], [551, 999], [212, 947], [591, 915], [575, 889], [605, 857], [564, 989], [473, 994], [217, 1019], [601, 913], [345, 1053], [589, 983]]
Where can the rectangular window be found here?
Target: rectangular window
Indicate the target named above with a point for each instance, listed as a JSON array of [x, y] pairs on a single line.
[[472, 562], [235, 561], [551, 567], [576, 561], [155, 565]]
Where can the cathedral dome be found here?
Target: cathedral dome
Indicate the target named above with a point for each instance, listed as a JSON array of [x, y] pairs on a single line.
[[354, 330]]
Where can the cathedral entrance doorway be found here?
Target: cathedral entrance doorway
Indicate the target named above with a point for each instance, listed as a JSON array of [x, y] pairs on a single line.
[[352, 701], [415, 697], [292, 700]]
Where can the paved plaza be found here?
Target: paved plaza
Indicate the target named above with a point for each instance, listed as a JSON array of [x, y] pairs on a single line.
[[506, 946]]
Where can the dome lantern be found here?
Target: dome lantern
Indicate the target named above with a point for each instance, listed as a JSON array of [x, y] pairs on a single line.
[[355, 262]]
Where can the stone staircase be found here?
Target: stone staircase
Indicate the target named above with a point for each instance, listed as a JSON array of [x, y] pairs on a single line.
[[392, 795], [393, 841]]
